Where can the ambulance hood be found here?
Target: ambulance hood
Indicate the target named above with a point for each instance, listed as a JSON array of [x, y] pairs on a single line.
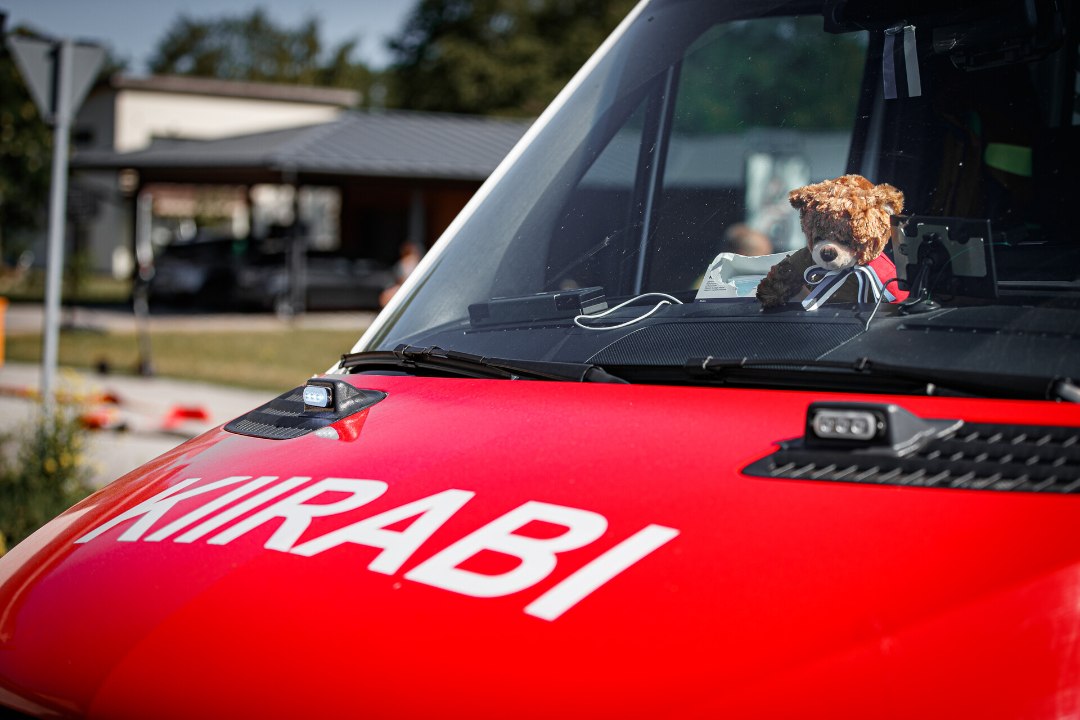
[[488, 548]]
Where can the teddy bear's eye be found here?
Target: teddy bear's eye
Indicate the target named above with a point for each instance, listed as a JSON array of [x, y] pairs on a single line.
[[818, 239]]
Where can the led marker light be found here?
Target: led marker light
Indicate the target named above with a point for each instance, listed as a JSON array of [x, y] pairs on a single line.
[[845, 424], [318, 397], [869, 427]]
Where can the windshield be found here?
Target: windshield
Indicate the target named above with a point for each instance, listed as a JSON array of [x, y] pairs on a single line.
[[662, 178]]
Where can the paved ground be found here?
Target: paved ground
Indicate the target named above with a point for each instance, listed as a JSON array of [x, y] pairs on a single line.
[[150, 415], [142, 417]]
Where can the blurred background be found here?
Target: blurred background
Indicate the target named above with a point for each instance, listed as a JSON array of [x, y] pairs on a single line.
[[248, 182]]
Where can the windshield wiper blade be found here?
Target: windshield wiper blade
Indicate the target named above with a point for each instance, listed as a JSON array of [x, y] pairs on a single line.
[[928, 381], [454, 362]]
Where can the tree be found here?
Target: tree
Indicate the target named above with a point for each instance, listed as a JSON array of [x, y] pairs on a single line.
[[26, 149], [734, 81], [496, 57], [253, 48], [25, 154]]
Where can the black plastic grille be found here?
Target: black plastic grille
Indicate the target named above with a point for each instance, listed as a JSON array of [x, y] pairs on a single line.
[[285, 417], [1023, 458], [245, 426]]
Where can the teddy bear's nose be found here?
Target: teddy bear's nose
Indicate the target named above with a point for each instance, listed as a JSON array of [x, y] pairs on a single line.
[[828, 254]]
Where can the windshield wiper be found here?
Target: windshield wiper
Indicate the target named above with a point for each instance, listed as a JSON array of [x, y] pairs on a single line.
[[461, 364], [867, 373]]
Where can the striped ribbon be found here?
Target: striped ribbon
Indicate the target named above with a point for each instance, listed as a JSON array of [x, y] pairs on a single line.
[[825, 283]]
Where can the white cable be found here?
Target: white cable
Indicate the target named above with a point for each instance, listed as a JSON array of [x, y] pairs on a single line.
[[597, 316], [877, 304]]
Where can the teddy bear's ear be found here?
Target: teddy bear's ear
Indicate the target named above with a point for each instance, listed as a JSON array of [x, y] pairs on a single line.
[[888, 198], [800, 197]]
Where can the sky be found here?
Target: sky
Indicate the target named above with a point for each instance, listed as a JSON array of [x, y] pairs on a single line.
[[132, 28]]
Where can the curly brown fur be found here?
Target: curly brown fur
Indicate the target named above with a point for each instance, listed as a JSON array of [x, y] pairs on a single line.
[[785, 279], [851, 205]]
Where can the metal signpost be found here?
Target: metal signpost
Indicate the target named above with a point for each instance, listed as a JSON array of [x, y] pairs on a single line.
[[58, 73], [144, 261]]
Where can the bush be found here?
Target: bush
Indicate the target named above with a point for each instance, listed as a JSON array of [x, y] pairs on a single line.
[[42, 473]]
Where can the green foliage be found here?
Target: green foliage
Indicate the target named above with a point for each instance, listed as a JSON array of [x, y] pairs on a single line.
[[755, 74], [253, 48], [495, 57], [25, 150], [42, 473], [25, 154]]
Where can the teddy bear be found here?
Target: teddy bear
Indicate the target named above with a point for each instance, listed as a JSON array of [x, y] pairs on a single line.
[[846, 222]]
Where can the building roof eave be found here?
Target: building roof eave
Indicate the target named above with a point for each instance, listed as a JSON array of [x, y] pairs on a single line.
[[358, 144]]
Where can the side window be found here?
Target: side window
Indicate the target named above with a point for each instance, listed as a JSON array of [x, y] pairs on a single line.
[[761, 107]]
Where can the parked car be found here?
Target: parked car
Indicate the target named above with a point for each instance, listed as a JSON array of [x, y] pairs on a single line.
[[201, 271], [331, 282], [220, 273], [574, 468]]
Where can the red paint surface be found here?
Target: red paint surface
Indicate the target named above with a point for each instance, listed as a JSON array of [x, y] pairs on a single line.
[[777, 599]]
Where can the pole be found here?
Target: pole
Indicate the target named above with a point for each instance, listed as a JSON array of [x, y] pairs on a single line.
[[144, 260], [57, 202]]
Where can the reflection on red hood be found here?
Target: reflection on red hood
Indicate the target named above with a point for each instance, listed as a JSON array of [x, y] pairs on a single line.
[[527, 549]]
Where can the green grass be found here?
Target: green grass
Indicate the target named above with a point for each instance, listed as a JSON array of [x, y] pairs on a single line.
[[259, 360], [94, 289]]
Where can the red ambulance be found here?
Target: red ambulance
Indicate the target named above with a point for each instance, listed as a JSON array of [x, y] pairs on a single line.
[[575, 469]]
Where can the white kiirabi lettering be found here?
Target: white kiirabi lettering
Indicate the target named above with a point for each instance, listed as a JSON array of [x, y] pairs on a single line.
[[537, 555], [591, 576], [297, 513], [397, 546], [150, 511], [245, 507], [209, 508], [205, 528]]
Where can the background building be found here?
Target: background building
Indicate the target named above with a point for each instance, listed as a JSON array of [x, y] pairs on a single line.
[[270, 171], [128, 114]]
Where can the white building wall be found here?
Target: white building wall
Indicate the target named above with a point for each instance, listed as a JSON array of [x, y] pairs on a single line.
[[142, 115]]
